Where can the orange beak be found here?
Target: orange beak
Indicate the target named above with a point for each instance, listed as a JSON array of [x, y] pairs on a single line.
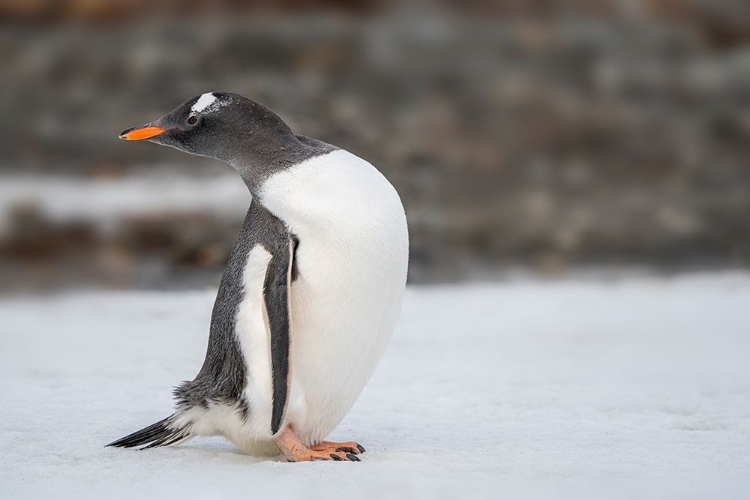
[[141, 133]]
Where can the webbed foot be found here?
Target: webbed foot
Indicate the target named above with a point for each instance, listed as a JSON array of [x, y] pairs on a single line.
[[295, 450]]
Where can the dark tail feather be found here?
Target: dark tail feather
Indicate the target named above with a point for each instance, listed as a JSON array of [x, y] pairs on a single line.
[[162, 433]]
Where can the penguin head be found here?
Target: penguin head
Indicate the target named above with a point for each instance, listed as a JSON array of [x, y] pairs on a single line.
[[218, 125]]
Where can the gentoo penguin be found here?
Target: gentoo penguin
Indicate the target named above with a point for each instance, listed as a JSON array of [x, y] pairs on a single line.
[[311, 292]]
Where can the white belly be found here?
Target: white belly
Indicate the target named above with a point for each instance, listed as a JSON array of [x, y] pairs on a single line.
[[352, 260]]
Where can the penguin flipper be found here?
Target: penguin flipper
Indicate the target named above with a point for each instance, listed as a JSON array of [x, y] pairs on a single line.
[[276, 290]]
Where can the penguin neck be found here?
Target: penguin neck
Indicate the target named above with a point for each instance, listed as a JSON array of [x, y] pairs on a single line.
[[261, 158]]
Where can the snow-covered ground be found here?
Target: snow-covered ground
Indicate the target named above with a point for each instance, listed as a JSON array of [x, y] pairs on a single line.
[[635, 387]]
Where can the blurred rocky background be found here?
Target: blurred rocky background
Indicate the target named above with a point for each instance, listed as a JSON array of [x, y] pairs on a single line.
[[533, 135]]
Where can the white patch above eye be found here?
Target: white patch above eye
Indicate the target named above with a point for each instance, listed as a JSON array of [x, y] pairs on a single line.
[[203, 102], [208, 103]]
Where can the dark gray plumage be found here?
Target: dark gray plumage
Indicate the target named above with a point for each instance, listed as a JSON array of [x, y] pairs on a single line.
[[222, 377], [243, 133], [276, 297]]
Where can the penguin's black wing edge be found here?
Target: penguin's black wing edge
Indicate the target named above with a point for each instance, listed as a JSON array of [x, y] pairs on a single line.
[[276, 290]]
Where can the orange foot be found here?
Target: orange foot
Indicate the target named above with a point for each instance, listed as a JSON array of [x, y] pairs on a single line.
[[332, 446], [295, 450]]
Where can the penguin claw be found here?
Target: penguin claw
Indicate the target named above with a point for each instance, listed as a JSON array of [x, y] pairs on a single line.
[[353, 458]]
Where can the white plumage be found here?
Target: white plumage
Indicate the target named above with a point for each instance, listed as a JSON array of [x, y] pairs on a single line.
[[203, 102]]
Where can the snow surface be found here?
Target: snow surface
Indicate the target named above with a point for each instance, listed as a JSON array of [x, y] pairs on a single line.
[[633, 388]]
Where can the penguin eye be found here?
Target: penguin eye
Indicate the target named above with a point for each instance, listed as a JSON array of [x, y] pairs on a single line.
[[192, 120]]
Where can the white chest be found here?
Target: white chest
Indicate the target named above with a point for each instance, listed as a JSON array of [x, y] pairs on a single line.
[[347, 216]]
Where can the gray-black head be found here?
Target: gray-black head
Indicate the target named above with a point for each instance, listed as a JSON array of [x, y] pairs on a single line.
[[221, 125]]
